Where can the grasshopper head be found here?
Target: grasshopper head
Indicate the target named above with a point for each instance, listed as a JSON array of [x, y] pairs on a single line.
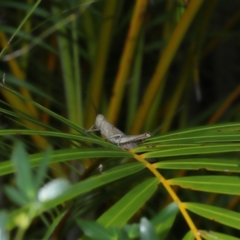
[[99, 119], [148, 134]]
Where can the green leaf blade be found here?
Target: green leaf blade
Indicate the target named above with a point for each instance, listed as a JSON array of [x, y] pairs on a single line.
[[217, 184], [211, 235], [124, 209], [221, 215], [192, 150], [96, 181], [67, 155], [94, 230], [24, 179], [223, 165], [164, 220]]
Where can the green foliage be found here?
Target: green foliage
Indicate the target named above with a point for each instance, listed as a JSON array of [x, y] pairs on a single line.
[[138, 61]]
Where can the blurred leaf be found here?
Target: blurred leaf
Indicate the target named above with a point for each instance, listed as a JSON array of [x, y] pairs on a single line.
[[16, 196], [127, 206], [122, 235], [46, 110], [22, 22], [24, 6], [164, 220], [217, 184], [11, 79], [221, 215], [94, 230], [54, 225], [117, 233], [26, 36], [24, 179], [82, 187], [41, 171], [3, 223], [132, 230], [146, 230]]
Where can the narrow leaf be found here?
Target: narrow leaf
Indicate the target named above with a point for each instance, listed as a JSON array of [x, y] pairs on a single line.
[[194, 133], [64, 155], [188, 236], [210, 235], [96, 181], [217, 184], [224, 165], [54, 225], [127, 206], [192, 150], [224, 216], [164, 220]]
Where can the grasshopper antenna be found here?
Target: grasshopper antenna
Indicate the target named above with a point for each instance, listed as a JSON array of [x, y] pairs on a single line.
[[93, 127], [93, 104]]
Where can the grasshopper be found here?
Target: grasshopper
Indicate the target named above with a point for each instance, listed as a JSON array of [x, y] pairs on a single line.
[[115, 136]]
